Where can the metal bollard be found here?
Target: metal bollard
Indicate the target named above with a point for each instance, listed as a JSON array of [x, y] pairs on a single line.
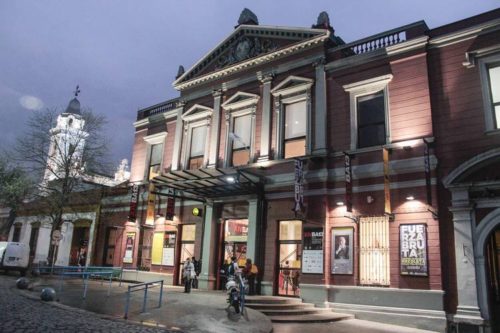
[[127, 303], [145, 299], [161, 294]]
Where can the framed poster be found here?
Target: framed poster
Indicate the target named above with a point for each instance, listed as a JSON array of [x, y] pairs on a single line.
[[312, 253], [128, 258], [413, 249], [342, 253], [168, 249]]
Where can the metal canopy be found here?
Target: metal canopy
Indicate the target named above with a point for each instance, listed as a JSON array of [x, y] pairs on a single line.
[[211, 183]]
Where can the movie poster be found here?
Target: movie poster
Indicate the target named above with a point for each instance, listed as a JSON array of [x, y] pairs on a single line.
[[413, 247]]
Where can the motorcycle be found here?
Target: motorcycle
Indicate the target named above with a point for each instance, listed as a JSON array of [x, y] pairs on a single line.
[[236, 288]]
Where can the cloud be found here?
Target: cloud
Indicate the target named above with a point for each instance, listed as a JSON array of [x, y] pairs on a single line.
[[31, 102]]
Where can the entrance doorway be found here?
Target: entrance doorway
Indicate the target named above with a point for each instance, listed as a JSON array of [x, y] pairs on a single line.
[[109, 246], [235, 240], [493, 274], [188, 233], [35, 228], [290, 257], [79, 246]]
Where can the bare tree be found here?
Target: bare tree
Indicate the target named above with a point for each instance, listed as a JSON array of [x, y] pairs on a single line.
[[67, 152]]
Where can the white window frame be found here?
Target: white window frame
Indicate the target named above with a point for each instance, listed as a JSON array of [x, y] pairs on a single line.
[[489, 112], [363, 88], [293, 89], [240, 104], [197, 115], [154, 139]]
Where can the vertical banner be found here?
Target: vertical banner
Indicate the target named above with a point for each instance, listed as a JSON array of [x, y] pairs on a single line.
[[348, 182], [413, 247], [170, 206], [387, 184], [427, 173], [128, 258], [132, 216], [312, 254], [150, 215], [299, 188]]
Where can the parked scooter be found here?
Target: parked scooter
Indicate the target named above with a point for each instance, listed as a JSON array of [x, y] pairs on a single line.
[[236, 288]]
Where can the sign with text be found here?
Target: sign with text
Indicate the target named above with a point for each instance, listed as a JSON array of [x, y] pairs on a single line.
[[342, 254], [299, 187], [132, 216], [312, 254], [413, 249], [129, 248], [387, 184], [348, 182], [150, 213]]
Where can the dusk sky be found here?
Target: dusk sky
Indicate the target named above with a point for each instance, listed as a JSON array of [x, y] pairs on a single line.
[[124, 55]]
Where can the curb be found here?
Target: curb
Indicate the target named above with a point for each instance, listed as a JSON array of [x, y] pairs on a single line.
[[27, 294]]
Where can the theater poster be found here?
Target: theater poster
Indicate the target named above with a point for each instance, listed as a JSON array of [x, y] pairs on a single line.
[[129, 248], [312, 254], [342, 250], [413, 247]]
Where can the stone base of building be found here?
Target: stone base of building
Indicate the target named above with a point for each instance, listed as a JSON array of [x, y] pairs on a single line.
[[422, 309], [461, 323], [143, 276]]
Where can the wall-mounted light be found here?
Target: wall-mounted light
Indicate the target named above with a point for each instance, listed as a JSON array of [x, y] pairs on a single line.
[[369, 199], [410, 197], [230, 179], [340, 203], [408, 144]]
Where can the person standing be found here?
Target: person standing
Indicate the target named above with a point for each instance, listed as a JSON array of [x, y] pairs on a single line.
[[188, 273], [197, 270], [250, 272]]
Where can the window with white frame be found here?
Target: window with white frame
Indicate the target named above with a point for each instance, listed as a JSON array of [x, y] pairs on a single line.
[[242, 136], [295, 129], [490, 81], [369, 105], [197, 147], [154, 160], [292, 100]]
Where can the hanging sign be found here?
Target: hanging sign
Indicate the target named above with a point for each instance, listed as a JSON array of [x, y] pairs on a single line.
[[150, 214], [170, 208], [132, 216], [413, 247], [387, 185], [312, 254], [348, 182], [299, 188]]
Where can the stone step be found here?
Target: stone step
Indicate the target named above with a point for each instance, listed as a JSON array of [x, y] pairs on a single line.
[[294, 312], [271, 300], [311, 318], [284, 306]]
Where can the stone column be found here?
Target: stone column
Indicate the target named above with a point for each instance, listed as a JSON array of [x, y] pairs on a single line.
[[177, 140], [320, 119], [278, 106], [229, 142], [215, 134], [468, 308], [209, 250], [252, 228], [265, 128]]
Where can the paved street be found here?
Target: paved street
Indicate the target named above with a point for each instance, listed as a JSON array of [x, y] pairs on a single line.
[[21, 314]]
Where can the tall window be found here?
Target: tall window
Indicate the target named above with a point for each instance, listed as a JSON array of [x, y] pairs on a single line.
[[494, 90], [197, 149], [295, 129], [155, 160], [371, 120], [241, 141]]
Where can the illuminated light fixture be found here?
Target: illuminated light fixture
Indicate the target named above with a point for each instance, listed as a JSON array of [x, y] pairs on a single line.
[[230, 179], [408, 144], [410, 197], [340, 203]]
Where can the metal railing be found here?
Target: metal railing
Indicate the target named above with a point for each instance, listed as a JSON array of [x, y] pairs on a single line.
[[142, 286], [158, 108]]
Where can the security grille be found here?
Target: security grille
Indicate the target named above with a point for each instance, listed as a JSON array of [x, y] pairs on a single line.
[[374, 251]]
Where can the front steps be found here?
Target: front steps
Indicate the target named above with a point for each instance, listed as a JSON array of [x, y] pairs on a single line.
[[292, 310]]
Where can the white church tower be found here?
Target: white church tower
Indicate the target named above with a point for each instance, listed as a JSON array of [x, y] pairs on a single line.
[[67, 143]]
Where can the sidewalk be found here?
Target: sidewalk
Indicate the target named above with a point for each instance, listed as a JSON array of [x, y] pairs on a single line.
[[199, 311]]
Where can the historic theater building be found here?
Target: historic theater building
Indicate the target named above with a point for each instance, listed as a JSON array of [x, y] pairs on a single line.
[[313, 157]]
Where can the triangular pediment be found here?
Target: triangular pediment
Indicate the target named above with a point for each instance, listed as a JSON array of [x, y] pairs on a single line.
[[240, 100], [196, 112], [292, 84], [249, 42]]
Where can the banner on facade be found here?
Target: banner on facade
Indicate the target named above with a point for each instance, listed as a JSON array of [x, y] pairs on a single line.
[[169, 215], [413, 245], [132, 216], [299, 187], [128, 258], [341, 252], [348, 182], [387, 184], [312, 253], [150, 213], [427, 173]]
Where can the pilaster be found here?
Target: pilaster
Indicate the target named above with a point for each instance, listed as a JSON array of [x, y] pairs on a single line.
[[252, 229], [320, 118], [265, 128], [215, 133], [177, 140]]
